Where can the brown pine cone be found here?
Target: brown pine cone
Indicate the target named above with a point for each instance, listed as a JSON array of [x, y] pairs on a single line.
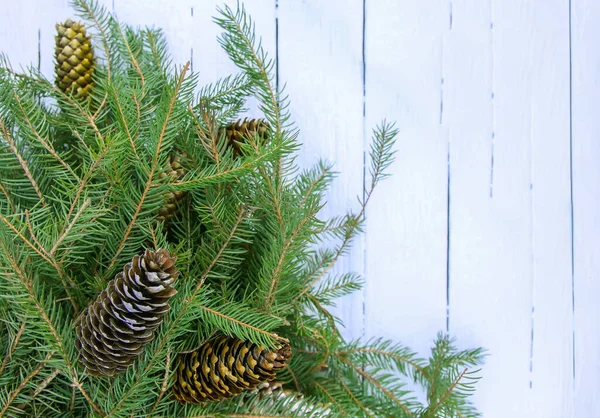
[[114, 329], [239, 132], [175, 173], [225, 367]]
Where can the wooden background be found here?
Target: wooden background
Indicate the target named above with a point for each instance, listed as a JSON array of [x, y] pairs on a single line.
[[490, 225]]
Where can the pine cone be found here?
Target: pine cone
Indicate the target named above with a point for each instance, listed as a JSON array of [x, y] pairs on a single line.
[[114, 329], [239, 132], [172, 199], [75, 60], [225, 367]]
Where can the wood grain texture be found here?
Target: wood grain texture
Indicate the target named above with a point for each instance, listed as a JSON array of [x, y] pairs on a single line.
[[320, 63], [507, 101], [406, 220], [586, 198]]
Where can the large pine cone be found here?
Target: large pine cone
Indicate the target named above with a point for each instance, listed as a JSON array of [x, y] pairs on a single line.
[[175, 173], [75, 60], [239, 132], [114, 329], [225, 367]]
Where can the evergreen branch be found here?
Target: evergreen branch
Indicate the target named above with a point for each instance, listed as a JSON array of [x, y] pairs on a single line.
[[28, 285], [131, 141], [33, 235], [326, 392], [431, 411], [165, 384], [43, 249], [354, 398], [375, 382], [41, 387], [246, 35], [132, 56], [152, 170], [33, 247], [242, 324], [324, 311], [13, 395], [12, 348], [394, 356], [276, 275], [43, 141], [74, 103], [11, 145], [85, 180], [9, 200], [212, 146], [62, 236]]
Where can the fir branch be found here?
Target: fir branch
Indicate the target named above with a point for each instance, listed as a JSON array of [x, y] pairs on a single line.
[[8, 199], [12, 348], [66, 232], [132, 56], [46, 318], [244, 329], [13, 395], [153, 169], [11, 144], [41, 387], [354, 398], [43, 141], [84, 182], [127, 130], [165, 383], [330, 397], [377, 384], [431, 411], [48, 259]]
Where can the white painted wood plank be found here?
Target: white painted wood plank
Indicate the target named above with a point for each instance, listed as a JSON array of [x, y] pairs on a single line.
[[552, 352], [586, 204], [19, 34], [510, 222], [406, 220], [320, 61]]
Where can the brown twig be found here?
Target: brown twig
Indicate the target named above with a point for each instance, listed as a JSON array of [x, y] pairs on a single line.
[[40, 387], [5, 193], [24, 383], [330, 397], [447, 394], [13, 347], [33, 236], [375, 382], [165, 383], [62, 236], [359, 403], [22, 162], [43, 141]]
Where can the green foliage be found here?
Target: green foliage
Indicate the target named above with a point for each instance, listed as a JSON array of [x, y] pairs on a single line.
[[80, 189]]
